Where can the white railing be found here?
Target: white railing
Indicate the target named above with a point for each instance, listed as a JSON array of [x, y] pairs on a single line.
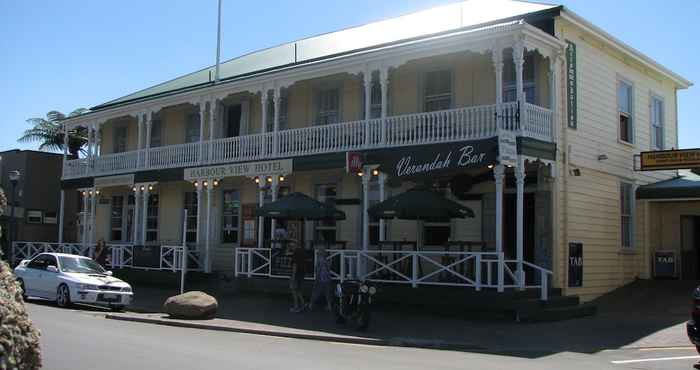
[[122, 255], [470, 123], [418, 268], [171, 258], [174, 155]]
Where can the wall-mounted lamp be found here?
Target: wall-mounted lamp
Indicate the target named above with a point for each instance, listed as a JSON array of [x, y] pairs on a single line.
[[281, 178], [602, 157], [216, 182], [150, 187], [360, 174], [269, 179], [575, 172], [375, 172], [257, 180]]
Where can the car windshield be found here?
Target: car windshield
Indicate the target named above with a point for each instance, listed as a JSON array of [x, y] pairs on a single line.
[[82, 265]]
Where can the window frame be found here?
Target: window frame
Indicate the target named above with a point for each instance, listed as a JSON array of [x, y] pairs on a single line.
[[119, 144], [333, 224], [192, 125], [121, 228], [653, 137], [629, 115], [627, 242], [191, 215], [509, 87], [156, 139], [323, 114], [237, 227], [425, 98], [41, 217], [153, 205], [284, 113]]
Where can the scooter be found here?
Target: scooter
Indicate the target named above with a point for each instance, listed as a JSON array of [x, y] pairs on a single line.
[[354, 301]]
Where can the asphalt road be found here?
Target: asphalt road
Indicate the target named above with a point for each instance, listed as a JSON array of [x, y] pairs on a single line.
[[83, 339]]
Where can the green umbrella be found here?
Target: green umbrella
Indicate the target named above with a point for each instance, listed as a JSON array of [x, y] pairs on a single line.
[[298, 206], [420, 204]]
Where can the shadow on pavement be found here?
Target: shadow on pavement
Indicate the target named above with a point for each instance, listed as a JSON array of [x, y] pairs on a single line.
[[642, 314]]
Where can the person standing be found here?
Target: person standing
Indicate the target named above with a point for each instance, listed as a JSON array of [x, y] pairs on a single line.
[[100, 255], [296, 280], [322, 285]]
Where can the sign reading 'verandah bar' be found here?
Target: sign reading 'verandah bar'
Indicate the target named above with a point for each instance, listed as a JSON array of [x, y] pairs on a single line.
[[249, 169], [429, 160]]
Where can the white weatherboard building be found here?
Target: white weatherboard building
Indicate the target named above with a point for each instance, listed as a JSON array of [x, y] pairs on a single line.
[[526, 113]]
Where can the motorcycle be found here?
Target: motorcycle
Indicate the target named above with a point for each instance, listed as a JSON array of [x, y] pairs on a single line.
[[354, 301]]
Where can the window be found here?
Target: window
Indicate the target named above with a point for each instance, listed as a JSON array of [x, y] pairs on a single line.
[[270, 125], [509, 85], [116, 217], [437, 91], [624, 108], [657, 123], [328, 106], [191, 207], [156, 133], [325, 230], [152, 218], [627, 214], [120, 133], [230, 217], [42, 261], [50, 217], [375, 100], [192, 127], [35, 217]]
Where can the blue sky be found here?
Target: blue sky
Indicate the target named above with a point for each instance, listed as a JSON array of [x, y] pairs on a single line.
[[61, 55]]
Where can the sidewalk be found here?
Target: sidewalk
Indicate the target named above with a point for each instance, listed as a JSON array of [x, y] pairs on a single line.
[[647, 314]]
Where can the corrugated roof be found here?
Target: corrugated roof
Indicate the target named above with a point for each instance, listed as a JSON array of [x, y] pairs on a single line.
[[686, 185], [416, 25]]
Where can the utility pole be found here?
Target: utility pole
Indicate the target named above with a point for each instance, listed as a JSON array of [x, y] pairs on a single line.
[[218, 45]]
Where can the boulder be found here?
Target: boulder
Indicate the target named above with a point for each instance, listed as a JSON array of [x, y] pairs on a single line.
[[191, 305]]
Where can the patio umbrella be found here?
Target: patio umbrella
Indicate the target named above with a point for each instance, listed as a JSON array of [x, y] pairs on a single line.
[[298, 206], [419, 204]]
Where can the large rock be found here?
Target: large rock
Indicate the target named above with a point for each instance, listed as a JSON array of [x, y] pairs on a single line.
[[19, 339], [191, 305]]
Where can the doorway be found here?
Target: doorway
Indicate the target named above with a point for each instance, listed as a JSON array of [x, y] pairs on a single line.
[[510, 228], [233, 121], [690, 243]]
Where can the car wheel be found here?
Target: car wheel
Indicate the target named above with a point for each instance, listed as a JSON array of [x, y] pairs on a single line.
[[116, 308], [24, 290], [63, 296]]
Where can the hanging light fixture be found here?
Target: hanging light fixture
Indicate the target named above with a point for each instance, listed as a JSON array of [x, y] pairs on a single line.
[[269, 179], [97, 192], [205, 183], [150, 187], [196, 184], [375, 172], [360, 174], [257, 179], [134, 188], [216, 182], [142, 188], [281, 178], [490, 166]]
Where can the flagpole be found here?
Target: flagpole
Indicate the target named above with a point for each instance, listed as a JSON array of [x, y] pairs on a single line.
[[218, 45]]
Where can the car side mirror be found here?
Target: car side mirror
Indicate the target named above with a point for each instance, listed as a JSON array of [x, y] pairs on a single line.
[[51, 268], [108, 273]]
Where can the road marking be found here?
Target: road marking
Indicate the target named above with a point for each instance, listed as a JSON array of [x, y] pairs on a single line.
[[665, 348], [655, 359]]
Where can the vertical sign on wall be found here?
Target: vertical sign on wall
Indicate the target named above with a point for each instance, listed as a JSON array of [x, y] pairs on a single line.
[[571, 84], [575, 264]]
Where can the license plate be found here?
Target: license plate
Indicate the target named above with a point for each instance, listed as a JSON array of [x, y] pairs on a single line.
[[107, 297]]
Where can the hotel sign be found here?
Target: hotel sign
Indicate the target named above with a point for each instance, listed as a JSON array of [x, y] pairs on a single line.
[[250, 169], [571, 84], [429, 160], [507, 148], [669, 159]]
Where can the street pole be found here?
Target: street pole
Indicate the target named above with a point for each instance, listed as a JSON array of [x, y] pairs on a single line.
[[183, 267], [14, 179]]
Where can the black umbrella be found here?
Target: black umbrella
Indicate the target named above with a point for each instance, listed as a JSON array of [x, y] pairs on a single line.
[[298, 206], [420, 204]]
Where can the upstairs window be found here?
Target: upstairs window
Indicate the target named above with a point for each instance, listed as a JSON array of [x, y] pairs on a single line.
[[156, 133], [509, 88], [437, 92], [375, 100], [120, 133], [657, 123], [271, 114], [192, 127], [624, 108], [328, 106]]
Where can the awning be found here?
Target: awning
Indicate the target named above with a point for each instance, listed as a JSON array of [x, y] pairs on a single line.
[[687, 185]]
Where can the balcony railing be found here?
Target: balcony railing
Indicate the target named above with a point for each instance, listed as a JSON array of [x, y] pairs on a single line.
[[471, 123]]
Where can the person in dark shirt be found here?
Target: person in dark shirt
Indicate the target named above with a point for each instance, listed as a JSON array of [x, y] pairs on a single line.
[[100, 255], [297, 279]]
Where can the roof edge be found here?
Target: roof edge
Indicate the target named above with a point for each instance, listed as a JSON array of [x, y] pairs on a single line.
[[579, 21]]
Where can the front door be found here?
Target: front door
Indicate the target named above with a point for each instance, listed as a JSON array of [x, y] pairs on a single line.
[[129, 224]]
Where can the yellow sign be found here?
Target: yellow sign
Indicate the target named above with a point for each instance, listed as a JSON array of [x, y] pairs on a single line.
[[670, 159]]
